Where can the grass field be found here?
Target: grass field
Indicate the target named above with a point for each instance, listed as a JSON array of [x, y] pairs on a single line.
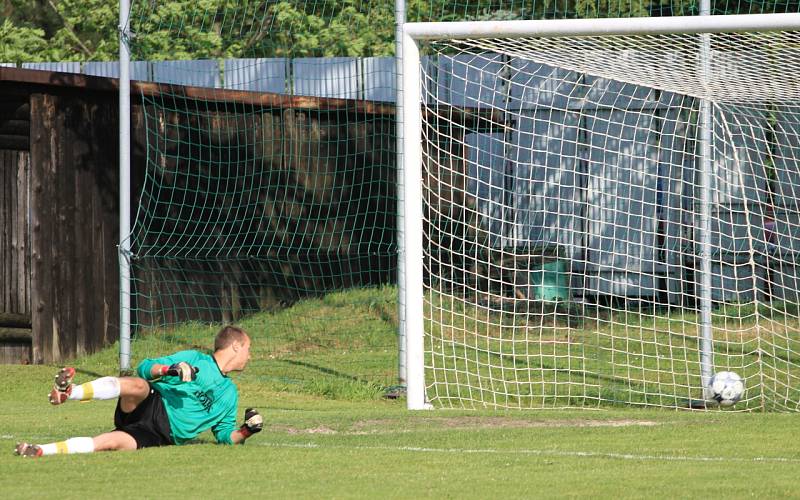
[[337, 437]]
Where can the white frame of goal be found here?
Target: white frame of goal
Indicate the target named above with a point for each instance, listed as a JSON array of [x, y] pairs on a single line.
[[411, 252]]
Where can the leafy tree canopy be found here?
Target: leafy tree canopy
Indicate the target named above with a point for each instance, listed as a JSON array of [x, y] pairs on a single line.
[[86, 30]]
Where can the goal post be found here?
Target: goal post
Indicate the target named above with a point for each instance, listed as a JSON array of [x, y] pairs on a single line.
[[411, 250], [570, 216]]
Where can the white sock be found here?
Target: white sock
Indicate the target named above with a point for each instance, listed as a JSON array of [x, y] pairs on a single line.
[[102, 388], [73, 445]]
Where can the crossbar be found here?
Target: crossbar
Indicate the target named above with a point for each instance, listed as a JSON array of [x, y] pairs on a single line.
[[595, 27]]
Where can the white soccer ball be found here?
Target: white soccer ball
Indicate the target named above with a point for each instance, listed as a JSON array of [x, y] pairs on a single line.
[[726, 388]]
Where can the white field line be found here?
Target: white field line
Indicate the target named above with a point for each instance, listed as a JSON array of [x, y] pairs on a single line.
[[491, 451], [542, 453]]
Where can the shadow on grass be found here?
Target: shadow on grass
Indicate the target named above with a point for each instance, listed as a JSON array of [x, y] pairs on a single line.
[[326, 371], [90, 373]]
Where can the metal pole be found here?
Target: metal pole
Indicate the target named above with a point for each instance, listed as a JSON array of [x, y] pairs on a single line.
[[124, 189], [706, 128], [596, 27], [412, 156], [400, 19]]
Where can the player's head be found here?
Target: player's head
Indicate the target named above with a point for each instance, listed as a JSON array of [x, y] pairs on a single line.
[[237, 343]]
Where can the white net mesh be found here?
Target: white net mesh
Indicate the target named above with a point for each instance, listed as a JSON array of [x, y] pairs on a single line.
[[563, 219]]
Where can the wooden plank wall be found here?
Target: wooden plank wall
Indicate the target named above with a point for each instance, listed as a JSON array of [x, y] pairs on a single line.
[[74, 186], [15, 262], [15, 234], [63, 130]]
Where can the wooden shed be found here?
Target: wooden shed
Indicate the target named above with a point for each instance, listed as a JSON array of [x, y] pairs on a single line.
[[59, 187], [58, 215]]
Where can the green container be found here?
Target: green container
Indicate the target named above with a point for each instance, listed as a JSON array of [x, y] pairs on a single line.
[[549, 281]]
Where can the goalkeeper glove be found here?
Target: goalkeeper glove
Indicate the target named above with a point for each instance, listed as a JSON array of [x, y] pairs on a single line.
[[253, 423], [184, 370]]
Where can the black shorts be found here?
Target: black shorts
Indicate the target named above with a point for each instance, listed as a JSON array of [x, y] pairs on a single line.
[[148, 423]]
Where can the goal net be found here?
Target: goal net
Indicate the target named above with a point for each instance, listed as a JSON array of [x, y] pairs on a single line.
[[609, 211], [264, 190]]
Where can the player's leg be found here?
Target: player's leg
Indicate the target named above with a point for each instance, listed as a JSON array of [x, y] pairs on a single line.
[[133, 390], [114, 440], [130, 390]]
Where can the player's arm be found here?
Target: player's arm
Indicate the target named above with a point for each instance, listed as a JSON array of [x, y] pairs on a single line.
[[182, 370], [253, 423], [178, 364]]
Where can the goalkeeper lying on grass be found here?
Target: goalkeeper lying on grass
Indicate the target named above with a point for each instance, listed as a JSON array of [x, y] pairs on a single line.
[[176, 398]]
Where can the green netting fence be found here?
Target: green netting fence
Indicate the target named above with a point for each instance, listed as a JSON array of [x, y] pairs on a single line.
[[271, 189]]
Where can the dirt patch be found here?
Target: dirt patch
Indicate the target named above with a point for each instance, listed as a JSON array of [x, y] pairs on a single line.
[[498, 423], [384, 426], [320, 429]]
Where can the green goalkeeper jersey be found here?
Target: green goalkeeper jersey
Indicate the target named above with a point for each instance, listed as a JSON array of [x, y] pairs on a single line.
[[209, 402]]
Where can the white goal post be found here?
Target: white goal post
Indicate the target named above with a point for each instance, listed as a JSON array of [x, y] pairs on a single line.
[[601, 211]]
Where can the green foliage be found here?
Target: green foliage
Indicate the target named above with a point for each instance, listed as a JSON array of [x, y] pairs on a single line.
[[67, 30], [479, 10], [178, 30], [22, 44], [31, 14], [86, 30], [264, 29]]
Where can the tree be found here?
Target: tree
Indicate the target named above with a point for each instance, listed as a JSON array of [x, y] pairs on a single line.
[[344, 28], [22, 44], [86, 30], [30, 14]]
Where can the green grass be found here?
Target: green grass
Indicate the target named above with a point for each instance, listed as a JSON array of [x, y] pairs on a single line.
[[602, 356], [316, 447], [344, 346], [318, 374]]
